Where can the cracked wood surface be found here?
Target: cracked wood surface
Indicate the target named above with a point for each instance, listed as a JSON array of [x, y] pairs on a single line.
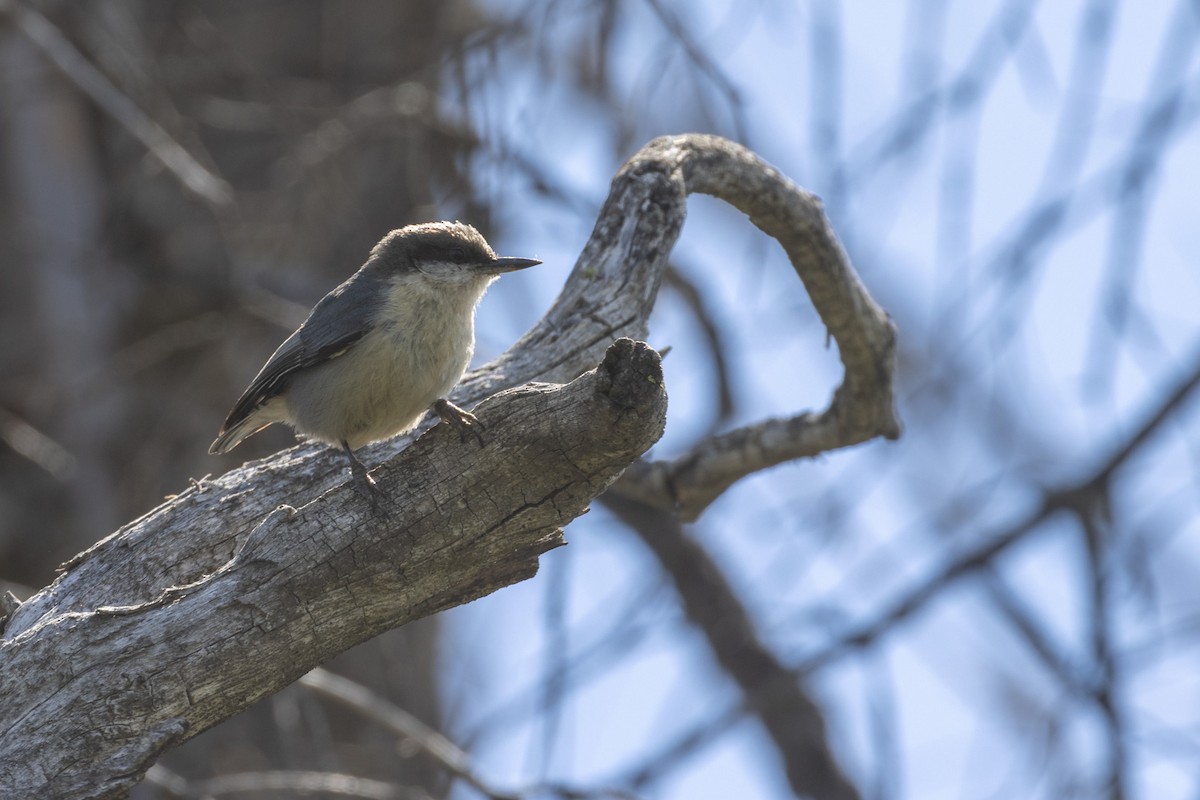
[[95, 685]]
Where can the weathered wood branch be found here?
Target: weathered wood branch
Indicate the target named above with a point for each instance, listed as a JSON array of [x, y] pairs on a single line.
[[862, 408], [95, 685], [238, 585]]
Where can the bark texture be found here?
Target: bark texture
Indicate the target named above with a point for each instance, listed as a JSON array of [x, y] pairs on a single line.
[[97, 676], [239, 585]]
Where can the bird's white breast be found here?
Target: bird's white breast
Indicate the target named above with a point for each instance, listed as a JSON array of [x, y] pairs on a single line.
[[419, 346]]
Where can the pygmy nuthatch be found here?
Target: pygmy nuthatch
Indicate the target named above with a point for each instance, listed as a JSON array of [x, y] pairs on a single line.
[[380, 349]]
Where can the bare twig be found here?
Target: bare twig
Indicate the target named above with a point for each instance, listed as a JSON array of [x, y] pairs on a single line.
[[1070, 498], [24, 439], [43, 33], [292, 782], [614, 637], [453, 759], [676, 280], [1097, 541], [404, 724], [704, 64], [790, 716], [668, 756], [912, 126]]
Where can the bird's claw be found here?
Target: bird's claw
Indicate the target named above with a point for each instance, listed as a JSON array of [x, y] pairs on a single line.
[[466, 423]]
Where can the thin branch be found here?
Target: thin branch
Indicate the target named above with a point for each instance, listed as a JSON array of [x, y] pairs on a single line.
[[914, 124], [453, 759], [279, 781], [554, 684], [402, 723], [791, 718], [689, 483], [621, 632], [884, 711], [705, 64], [1097, 541], [675, 752], [1150, 424], [676, 280], [1039, 640], [27, 441], [43, 33], [1072, 498]]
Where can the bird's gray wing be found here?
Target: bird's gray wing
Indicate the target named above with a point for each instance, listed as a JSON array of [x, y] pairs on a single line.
[[339, 320]]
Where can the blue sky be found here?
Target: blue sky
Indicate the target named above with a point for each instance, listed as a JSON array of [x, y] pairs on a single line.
[[944, 235]]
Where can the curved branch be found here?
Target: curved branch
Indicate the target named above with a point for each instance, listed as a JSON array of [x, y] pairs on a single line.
[[612, 290]]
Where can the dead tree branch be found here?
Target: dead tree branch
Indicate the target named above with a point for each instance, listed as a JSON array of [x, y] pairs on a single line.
[[286, 592], [239, 585], [861, 408]]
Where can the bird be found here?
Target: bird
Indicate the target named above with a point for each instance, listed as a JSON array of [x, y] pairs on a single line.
[[381, 349]]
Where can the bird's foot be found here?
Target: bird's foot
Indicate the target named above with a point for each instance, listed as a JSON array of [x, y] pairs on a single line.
[[460, 419], [364, 484]]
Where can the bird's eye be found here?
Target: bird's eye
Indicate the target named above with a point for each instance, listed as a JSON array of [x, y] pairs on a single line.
[[458, 254]]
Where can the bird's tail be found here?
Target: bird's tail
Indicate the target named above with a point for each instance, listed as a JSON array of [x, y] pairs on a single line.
[[232, 436]]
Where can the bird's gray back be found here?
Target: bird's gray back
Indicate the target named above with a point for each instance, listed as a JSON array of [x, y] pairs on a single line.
[[340, 319], [345, 314]]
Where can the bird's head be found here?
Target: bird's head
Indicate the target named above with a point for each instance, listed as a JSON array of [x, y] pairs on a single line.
[[444, 253]]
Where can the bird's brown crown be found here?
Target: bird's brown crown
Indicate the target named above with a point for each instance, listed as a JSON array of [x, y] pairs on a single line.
[[429, 242]]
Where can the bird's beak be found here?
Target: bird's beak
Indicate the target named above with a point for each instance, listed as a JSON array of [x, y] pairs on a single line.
[[509, 264]]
